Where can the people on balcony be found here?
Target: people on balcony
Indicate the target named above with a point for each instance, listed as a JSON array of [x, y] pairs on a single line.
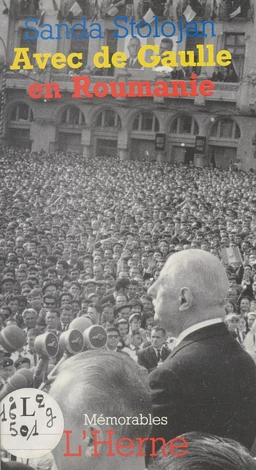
[[217, 75], [230, 75], [178, 74]]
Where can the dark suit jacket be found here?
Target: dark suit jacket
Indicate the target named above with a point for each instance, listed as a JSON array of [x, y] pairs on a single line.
[[14, 466], [148, 359], [136, 64], [207, 384]]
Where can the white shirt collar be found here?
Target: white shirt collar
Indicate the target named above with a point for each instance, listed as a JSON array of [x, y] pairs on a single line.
[[196, 327]]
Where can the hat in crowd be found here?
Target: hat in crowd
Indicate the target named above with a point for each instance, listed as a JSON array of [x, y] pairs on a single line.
[[106, 304], [7, 362], [133, 316], [90, 281], [50, 283], [90, 297], [121, 321], [22, 360], [119, 309], [251, 314], [7, 279]]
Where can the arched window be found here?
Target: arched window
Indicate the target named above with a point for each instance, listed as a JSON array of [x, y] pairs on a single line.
[[225, 128], [184, 124], [72, 116], [146, 122], [108, 118], [21, 112]]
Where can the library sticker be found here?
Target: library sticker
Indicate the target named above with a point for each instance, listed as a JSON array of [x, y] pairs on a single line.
[[31, 423]]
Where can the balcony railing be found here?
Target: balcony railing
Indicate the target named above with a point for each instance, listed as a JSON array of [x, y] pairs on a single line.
[[236, 11]]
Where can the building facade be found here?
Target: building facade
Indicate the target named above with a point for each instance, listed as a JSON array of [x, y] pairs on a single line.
[[127, 127]]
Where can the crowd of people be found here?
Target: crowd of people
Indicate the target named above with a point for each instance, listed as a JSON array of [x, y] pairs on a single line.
[[88, 238]]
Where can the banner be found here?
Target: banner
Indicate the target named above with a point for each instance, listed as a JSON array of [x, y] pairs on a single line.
[[200, 145], [160, 141]]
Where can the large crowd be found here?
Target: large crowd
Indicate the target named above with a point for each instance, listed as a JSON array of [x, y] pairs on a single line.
[[88, 237]]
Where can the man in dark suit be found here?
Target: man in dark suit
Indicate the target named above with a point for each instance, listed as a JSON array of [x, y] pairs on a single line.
[[208, 382], [156, 353], [133, 48]]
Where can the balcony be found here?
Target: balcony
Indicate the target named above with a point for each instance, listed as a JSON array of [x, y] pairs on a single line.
[[234, 10], [225, 92]]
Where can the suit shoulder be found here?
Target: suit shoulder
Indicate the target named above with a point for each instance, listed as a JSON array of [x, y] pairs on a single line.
[[164, 376], [145, 351]]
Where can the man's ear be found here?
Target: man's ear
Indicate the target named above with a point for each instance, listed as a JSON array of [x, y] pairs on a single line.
[[185, 299], [94, 442]]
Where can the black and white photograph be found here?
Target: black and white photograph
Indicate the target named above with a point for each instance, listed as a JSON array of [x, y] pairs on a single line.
[[128, 234]]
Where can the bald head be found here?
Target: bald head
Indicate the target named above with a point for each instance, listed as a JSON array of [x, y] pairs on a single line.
[[192, 287], [202, 272]]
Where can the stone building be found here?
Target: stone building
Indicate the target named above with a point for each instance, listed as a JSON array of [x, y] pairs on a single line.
[[127, 127]]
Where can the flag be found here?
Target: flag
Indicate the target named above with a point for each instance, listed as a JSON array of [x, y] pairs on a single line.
[[74, 11], [46, 6], [168, 9], [214, 10], [231, 255], [55, 6], [41, 17], [6, 9], [95, 11], [236, 12], [189, 13], [116, 6], [158, 8], [149, 16]]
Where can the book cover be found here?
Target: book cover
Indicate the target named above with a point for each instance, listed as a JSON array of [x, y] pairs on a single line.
[[127, 135]]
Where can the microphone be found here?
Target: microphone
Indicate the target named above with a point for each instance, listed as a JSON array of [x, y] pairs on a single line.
[[80, 323], [49, 369], [27, 374], [46, 346], [70, 342], [95, 337], [13, 383], [74, 341], [12, 338]]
